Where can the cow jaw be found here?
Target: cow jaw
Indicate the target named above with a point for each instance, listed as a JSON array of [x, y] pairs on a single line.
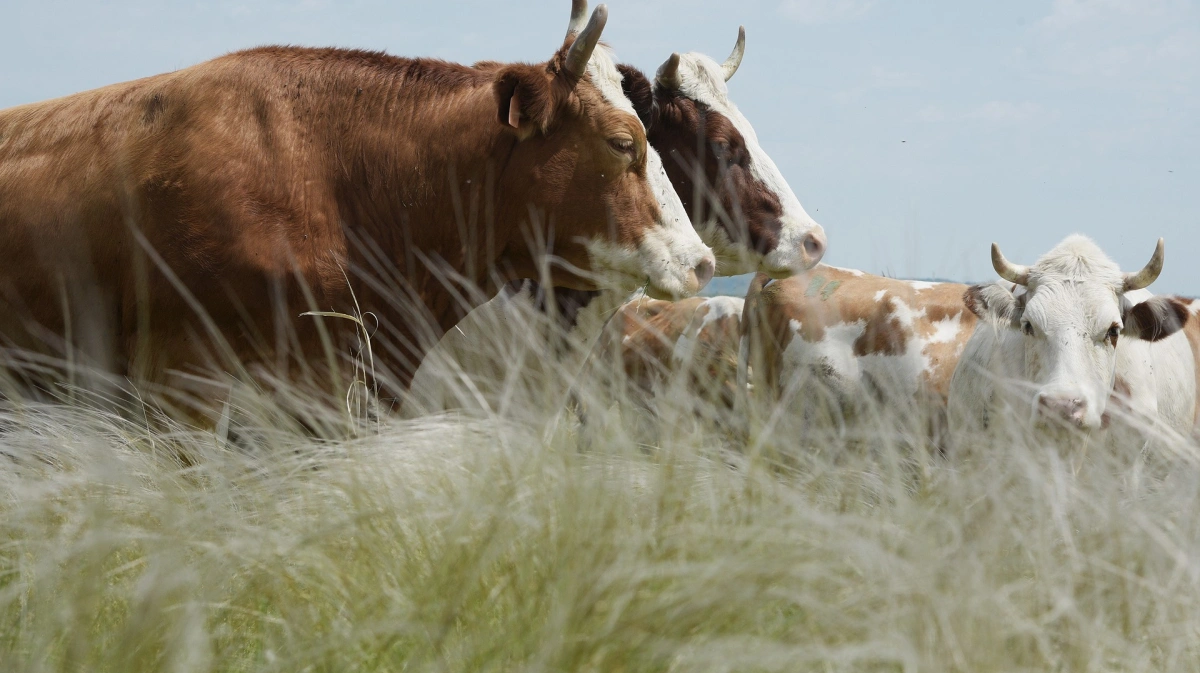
[[670, 261]]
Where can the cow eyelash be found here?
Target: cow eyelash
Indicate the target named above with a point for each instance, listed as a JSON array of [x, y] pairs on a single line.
[[622, 145]]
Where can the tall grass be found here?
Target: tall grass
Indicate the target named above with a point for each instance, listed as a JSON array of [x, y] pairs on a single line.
[[509, 535]]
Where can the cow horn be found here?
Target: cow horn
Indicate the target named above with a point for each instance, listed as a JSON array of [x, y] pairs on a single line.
[[731, 64], [578, 17], [1013, 273], [668, 73], [1149, 273], [585, 44]]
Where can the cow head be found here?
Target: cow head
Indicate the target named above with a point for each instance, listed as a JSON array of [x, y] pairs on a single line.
[[582, 157], [738, 199], [1071, 311]]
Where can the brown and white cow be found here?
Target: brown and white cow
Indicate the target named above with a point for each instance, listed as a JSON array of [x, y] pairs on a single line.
[[738, 198], [740, 202], [691, 342], [1068, 339], [145, 221], [844, 339]]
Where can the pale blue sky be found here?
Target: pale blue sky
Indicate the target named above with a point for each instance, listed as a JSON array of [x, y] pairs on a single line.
[[915, 132]]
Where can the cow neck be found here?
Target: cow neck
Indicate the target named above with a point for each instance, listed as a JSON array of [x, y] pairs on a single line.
[[422, 162]]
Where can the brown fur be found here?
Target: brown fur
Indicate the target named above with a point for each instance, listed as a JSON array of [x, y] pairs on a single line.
[[646, 332], [268, 174]]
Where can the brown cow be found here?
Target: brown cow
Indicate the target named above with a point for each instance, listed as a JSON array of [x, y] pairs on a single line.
[[847, 338], [747, 211], [144, 221]]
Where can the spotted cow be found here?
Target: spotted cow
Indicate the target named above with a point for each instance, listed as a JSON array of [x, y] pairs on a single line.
[[839, 339]]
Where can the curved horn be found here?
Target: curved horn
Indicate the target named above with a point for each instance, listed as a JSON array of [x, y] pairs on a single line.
[[1013, 273], [578, 17], [731, 64], [579, 53], [1149, 273], [668, 73]]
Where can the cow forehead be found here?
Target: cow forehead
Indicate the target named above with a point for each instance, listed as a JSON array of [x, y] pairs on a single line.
[[701, 80], [1064, 304]]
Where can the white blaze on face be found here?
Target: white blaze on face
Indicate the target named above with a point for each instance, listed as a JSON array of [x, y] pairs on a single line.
[[669, 252], [701, 80]]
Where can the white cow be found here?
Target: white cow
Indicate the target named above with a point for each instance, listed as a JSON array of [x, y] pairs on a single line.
[[1068, 340]]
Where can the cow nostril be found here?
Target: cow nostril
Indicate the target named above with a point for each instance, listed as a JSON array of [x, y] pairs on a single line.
[[1070, 409], [704, 271], [814, 246]]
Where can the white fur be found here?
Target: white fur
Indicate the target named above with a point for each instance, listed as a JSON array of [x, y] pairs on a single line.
[[702, 80]]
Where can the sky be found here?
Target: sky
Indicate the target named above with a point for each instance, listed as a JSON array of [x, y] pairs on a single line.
[[916, 133]]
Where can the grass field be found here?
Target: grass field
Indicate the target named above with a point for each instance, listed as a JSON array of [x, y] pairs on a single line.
[[517, 540]]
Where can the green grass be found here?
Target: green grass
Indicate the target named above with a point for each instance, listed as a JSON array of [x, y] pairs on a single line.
[[519, 541]]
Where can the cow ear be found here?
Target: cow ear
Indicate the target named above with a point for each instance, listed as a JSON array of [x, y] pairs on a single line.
[[993, 301], [524, 99], [640, 92], [1156, 318]]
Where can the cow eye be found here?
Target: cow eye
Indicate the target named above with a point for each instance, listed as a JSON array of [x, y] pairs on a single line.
[[622, 145], [1027, 327], [1113, 334]]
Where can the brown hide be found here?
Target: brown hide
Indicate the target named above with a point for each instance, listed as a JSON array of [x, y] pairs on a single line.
[[827, 296], [648, 331], [706, 160], [249, 188]]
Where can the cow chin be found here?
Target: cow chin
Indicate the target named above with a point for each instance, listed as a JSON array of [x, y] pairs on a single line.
[[664, 265]]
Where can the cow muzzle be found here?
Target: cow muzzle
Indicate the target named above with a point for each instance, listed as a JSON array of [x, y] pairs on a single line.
[[801, 246], [694, 280], [1071, 410]]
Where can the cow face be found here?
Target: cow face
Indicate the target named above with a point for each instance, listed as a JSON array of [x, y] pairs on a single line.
[[1071, 312], [583, 157], [738, 199]]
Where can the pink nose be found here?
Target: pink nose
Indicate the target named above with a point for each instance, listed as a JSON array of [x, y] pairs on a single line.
[[1069, 409], [814, 247]]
